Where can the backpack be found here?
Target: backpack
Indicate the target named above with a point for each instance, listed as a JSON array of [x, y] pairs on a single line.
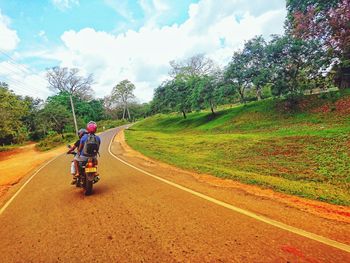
[[91, 146]]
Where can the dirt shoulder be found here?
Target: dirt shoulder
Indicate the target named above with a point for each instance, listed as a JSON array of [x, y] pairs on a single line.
[[320, 209], [20, 162]]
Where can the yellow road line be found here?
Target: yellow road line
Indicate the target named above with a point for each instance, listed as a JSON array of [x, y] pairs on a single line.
[[264, 219]]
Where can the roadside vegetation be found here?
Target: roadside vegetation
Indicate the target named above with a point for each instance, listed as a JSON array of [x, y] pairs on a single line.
[[55, 140], [305, 152], [51, 122], [277, 115]]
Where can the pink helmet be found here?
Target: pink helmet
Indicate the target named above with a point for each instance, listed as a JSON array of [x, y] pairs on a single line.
[[91, 127]]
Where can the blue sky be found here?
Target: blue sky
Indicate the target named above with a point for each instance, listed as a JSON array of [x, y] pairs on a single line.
[[117, 39]]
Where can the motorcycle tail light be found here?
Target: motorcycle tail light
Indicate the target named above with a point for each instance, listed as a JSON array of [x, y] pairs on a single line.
[[89, 164]]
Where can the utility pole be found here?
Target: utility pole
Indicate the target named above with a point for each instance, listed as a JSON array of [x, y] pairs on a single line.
[[73, 111]]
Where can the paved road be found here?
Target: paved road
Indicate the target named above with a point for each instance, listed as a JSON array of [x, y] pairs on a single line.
[[132, 217]]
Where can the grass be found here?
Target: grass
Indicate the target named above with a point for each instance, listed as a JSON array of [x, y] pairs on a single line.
[[6, 148], [304, 152], [108, 124], [55, 140]]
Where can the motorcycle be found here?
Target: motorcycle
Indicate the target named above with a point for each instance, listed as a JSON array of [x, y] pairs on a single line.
[[87, 174]]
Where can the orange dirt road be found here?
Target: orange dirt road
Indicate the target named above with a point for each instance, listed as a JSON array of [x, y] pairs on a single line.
[[133, 217]]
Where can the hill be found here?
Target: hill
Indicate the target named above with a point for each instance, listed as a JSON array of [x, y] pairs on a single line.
[[299, 147]]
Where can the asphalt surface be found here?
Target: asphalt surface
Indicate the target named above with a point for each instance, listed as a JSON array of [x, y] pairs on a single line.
[[132, 217]]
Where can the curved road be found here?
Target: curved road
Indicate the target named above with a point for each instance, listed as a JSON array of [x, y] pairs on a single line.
[[132, 217]]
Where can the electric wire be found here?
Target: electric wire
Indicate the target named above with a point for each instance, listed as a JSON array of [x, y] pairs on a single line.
[[18, 81], [25, 69], [16, 86], [18, 70]]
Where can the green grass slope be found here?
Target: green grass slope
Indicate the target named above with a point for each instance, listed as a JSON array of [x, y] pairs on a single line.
[[304, 152]]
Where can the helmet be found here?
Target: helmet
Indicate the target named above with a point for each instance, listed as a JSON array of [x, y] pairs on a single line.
[[91, 127], [81, 132]]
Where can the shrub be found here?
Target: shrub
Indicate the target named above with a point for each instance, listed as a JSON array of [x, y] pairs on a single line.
[[55, 140], [108, 124]]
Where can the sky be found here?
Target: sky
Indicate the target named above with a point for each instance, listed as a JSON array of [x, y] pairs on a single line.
[[123, 39]]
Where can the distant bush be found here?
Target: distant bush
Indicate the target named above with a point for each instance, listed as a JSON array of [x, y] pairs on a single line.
[[55, 140], [5, 148], [108, 124]]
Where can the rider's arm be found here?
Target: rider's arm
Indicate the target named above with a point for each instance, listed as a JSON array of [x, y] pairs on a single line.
[[72, 149], [76, 145]]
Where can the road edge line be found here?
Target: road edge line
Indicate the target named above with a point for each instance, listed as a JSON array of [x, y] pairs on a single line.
[[3, 208], [294, 230]]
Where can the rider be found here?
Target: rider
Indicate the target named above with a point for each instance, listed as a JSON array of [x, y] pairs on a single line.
[[91, 128], [81, 133]]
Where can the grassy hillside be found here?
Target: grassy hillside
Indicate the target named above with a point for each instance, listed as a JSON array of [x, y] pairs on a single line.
[[303, 152]]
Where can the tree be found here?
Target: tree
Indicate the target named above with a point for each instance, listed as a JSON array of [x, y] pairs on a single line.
[[12, 111], [207, 92], [163, 101], [188, 84], [123, 93], [30, 119], [295, 64], [69, 80], [55, 117], [181, 89], [197, 65], [237, 75], [328, 23], [257, 67]]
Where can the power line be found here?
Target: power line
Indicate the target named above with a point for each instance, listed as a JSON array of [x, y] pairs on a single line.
[[16, 67], [18, 70], [26, 69], [19, 86], [17, 80], [17, 83]]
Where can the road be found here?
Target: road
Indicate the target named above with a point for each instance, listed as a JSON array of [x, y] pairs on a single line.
[[133, 217]]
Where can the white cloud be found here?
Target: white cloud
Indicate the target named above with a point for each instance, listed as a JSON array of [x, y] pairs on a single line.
[[121, 8], [154, 10], [64, 4], [143, 56], [8, 37]]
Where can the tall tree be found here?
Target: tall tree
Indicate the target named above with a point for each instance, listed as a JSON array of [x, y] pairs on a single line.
[[69, 80], [163, 101], [327, 22], [197, 65], [181, 90], [294, 64], [257, 67], [207, 93], [12, 111], [54, 116], [238, 75], [123, 93]]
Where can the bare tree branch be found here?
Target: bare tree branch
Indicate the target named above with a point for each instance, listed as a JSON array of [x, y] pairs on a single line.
[[198, 65], [69, 80]]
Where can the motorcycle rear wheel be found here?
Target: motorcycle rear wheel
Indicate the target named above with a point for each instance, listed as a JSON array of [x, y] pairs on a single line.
[[88, 187]]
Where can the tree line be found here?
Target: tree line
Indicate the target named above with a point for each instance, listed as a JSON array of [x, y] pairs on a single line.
[[314, 53], [24, 118]]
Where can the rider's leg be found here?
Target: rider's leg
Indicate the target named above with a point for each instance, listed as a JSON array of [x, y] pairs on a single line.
[[76, 163]]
